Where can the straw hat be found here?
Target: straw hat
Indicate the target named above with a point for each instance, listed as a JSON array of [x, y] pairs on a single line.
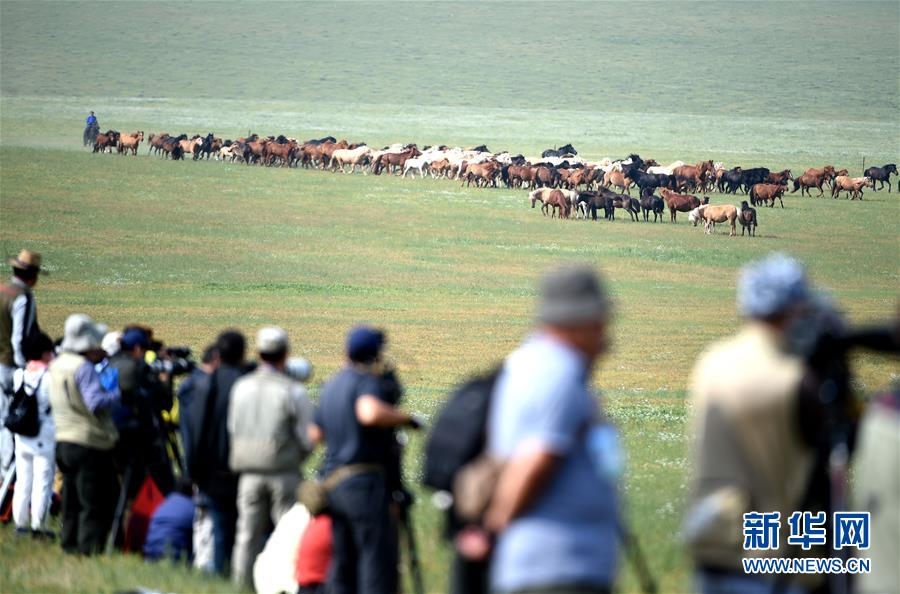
[[27, 260]]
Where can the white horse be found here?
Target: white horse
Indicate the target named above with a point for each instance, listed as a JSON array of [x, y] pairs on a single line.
[[667, 169], [341, 157]]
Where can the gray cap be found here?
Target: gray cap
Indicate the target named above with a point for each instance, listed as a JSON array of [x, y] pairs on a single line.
[[770, 286], [271, 340], [82, 334], [572, 294]]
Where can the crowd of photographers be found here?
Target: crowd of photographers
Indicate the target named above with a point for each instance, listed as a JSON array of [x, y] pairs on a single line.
[[527, 464]]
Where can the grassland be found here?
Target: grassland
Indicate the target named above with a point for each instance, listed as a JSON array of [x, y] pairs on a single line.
[[190, 248]]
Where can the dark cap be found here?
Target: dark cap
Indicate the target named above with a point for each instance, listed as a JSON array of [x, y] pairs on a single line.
[[133, 337], [572, 294], [364, 344]]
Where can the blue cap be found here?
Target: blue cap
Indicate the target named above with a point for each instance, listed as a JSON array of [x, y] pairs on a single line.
[[771, 286], [364, 343], [135, 337]]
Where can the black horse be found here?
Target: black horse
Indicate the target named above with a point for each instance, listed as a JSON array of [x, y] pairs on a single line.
[[205, 147], [566, 149], [647, 182], [751, 177], [595, 201], [881, 174], [730, 181], [651, 203]]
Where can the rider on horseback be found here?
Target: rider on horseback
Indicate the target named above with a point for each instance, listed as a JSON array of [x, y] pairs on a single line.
[[91, 129]]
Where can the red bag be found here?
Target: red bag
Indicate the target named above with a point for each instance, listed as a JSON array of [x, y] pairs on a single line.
[[145, 503]]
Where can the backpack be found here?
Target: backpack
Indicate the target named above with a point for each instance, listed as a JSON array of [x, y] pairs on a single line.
[[22, 417], [459, 433]]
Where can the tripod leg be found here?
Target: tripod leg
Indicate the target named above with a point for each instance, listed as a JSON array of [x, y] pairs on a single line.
[[415, 569], [120, 509], [7, 481]]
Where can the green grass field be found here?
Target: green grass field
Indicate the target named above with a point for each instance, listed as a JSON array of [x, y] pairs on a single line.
[[190, 248]]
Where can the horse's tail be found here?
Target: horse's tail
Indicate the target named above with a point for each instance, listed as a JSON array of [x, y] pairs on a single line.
[[796, 185]]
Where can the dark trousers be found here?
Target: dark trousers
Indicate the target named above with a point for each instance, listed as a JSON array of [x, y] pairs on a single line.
[[364, 558], [89, 496], [469, 577]]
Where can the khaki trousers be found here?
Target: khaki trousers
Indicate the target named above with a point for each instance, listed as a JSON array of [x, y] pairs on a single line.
[[261, 497]]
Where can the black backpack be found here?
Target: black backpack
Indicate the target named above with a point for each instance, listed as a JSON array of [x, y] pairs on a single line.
[[22, 417], [459, 433]]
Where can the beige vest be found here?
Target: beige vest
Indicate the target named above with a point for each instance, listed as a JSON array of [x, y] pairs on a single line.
[[262, 417], [747, 451], [74, 421]]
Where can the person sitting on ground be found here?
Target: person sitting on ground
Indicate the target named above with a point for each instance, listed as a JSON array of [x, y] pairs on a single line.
[[171, 526]]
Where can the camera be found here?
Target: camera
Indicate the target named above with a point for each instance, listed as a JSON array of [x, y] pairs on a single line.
[[173, 361]]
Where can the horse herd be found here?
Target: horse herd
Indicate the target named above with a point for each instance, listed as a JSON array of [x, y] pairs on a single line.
[[584, 186]]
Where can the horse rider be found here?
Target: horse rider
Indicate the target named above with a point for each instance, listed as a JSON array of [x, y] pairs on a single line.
[[90, 123]]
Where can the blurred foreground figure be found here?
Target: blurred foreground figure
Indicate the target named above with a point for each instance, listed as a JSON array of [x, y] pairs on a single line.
[[878, 490], [749, 452], [355, 419], [555, 508]]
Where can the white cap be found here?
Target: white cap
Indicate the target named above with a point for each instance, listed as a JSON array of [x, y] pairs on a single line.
[[272, 339], [111, 343]]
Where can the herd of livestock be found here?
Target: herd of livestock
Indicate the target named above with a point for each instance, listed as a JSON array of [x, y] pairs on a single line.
[[563, 182]]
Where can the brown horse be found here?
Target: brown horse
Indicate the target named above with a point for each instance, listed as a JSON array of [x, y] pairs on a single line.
[[694, 176], [156, 142], [392, 161], [106, 141], [618, 179], [130, 142], [558, 200], [813, 178], [483, 174], [678, 202], [852, 185], [782, 177], [283, 151], [189, 146], [767, 193]]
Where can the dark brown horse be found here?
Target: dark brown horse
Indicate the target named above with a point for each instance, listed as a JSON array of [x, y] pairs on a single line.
[[782, 177], [106, 141], [767, 193], [678, 202], [813, 178]]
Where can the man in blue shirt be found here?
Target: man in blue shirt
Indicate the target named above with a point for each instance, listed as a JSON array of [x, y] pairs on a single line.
[[555, 508], [355, 421], [91, 128]]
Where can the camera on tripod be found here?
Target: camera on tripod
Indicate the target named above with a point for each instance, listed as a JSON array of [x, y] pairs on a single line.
[[173, 361]]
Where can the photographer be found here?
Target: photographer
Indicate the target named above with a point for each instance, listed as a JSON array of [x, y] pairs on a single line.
[[749, 451], [268, 422], [207, 452], [146, 393], [356, 421]]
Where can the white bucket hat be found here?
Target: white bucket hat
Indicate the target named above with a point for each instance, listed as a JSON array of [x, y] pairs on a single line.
[[82, 334]]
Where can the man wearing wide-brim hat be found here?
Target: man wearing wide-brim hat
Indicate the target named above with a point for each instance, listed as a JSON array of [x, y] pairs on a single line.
[[85, 437], [18, 324]]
